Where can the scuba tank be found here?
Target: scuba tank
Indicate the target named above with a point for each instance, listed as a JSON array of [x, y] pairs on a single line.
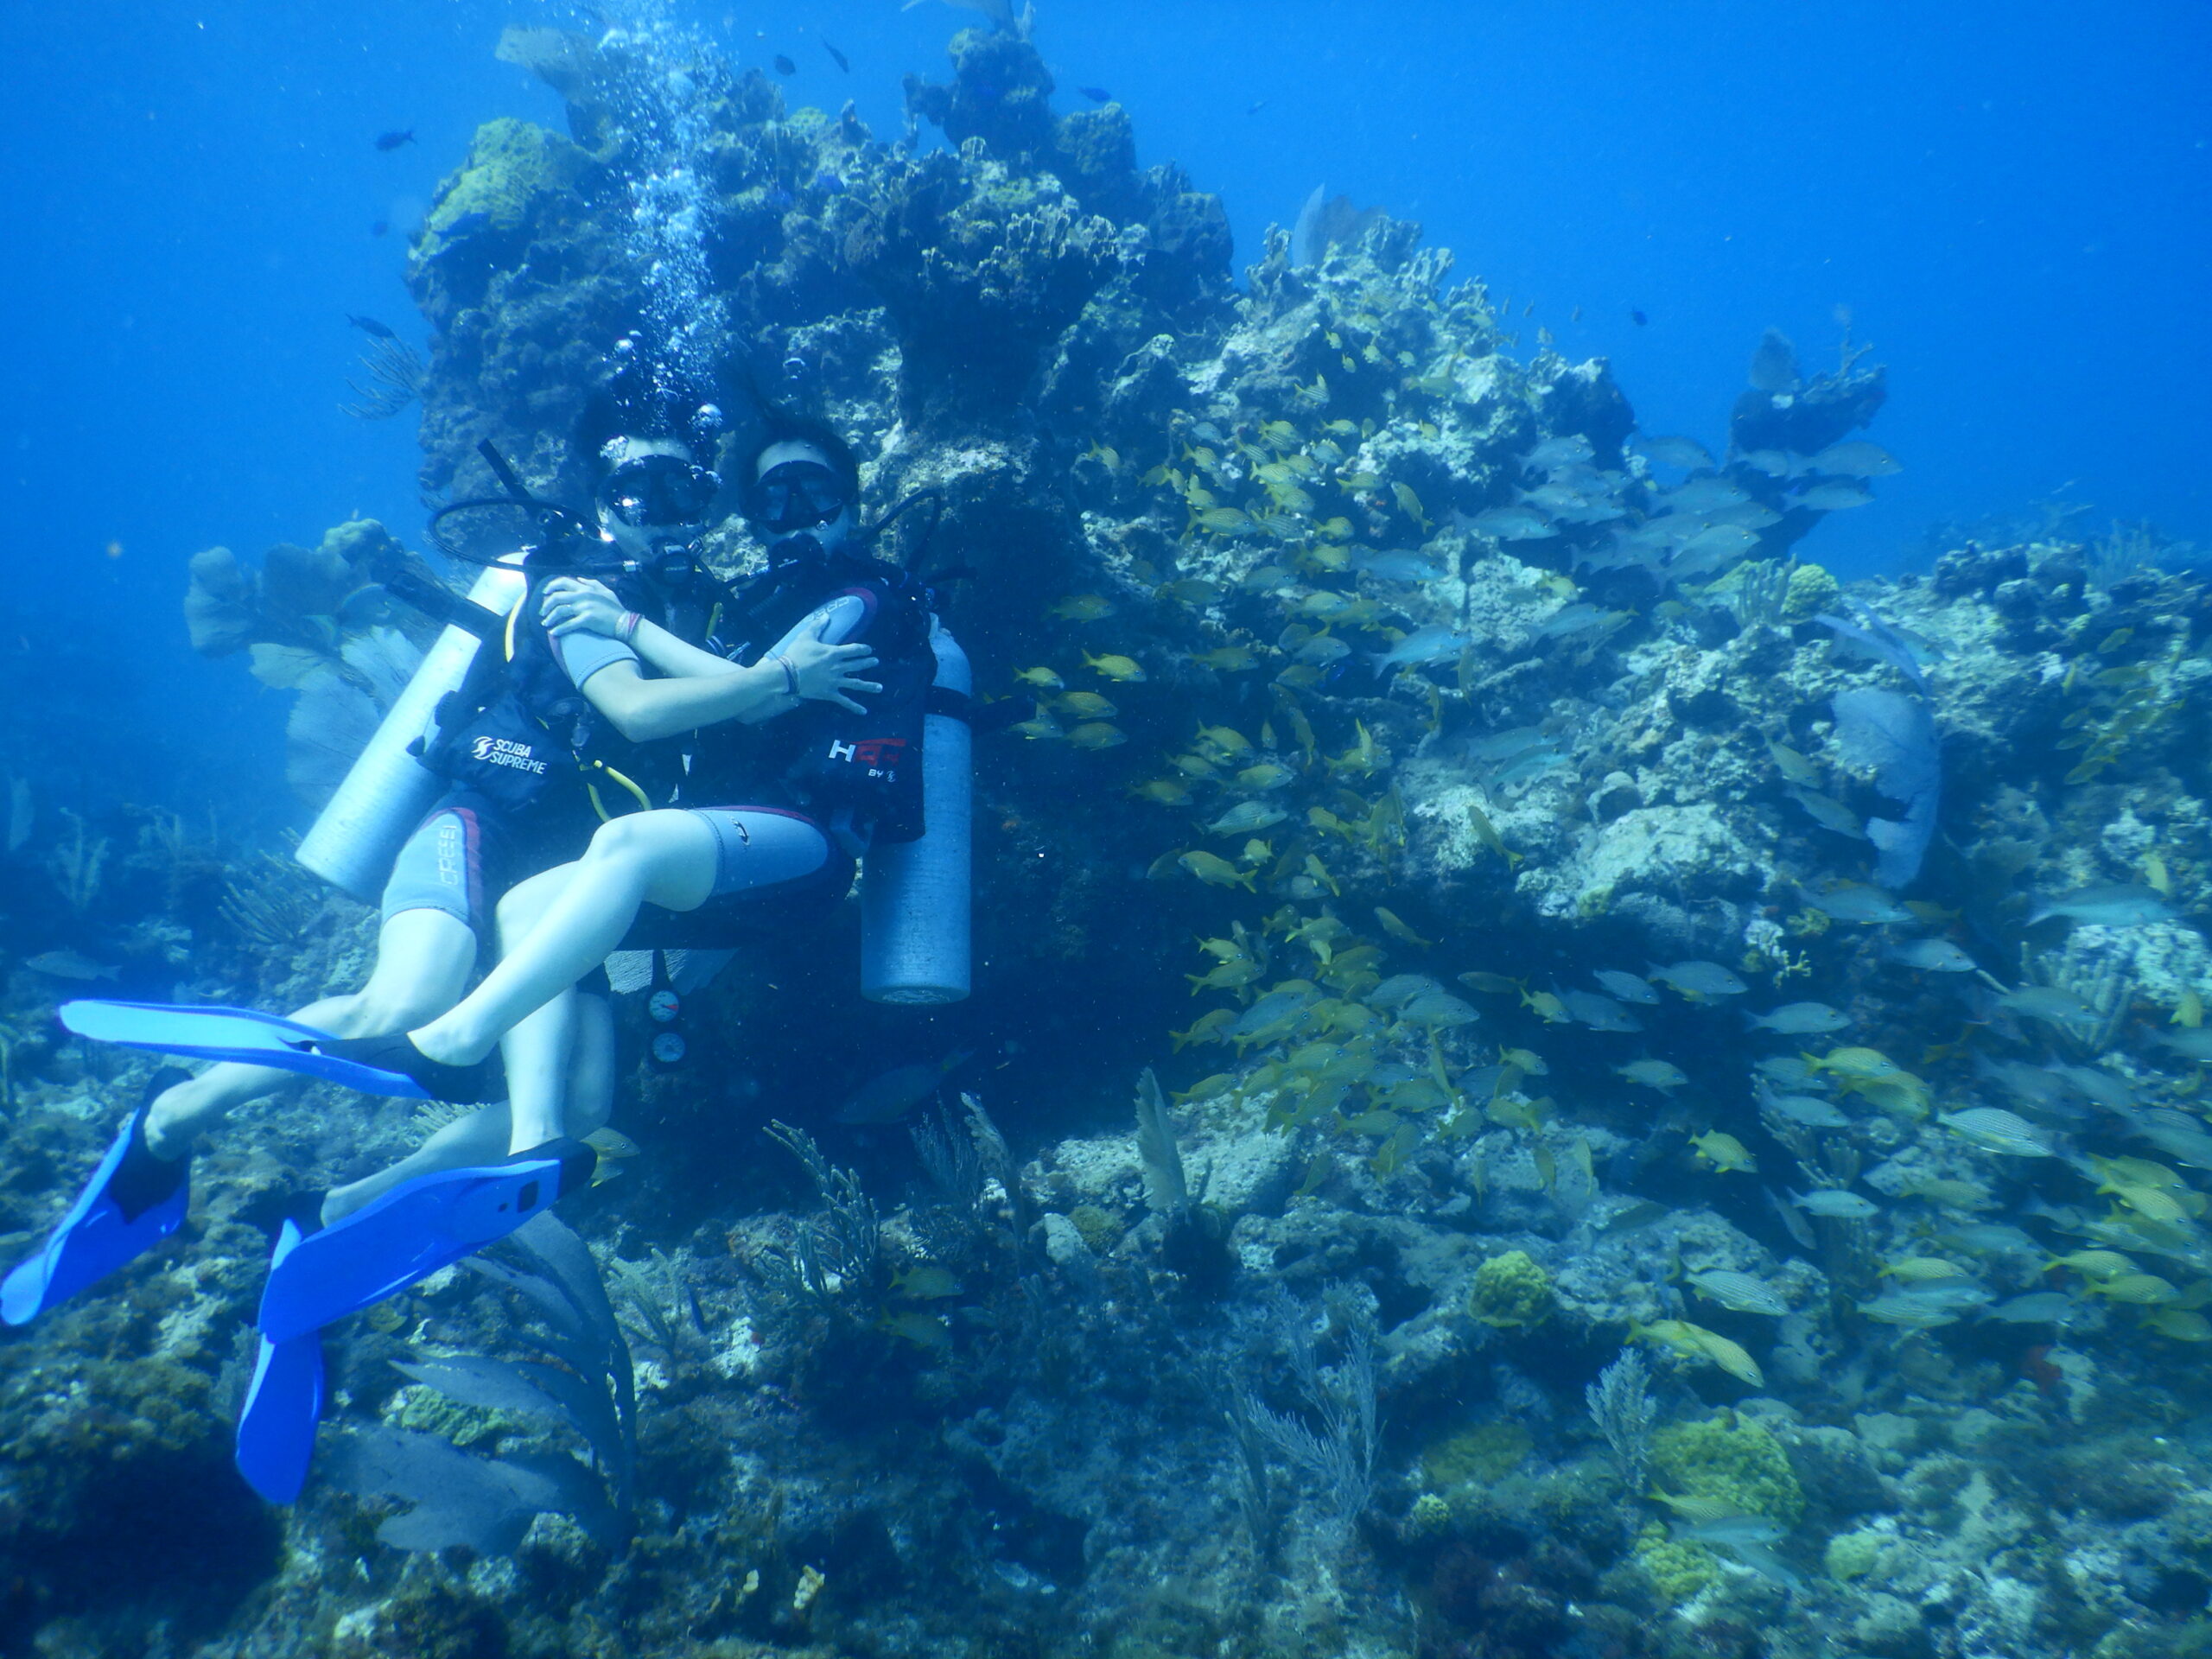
[[363, 826], [914, 894]]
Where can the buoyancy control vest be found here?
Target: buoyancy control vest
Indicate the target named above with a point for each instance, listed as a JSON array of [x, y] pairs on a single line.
[[521, 735], [864, 769]]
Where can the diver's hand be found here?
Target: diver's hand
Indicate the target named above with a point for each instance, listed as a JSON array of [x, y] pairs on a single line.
[[574, 605], [824, 672]]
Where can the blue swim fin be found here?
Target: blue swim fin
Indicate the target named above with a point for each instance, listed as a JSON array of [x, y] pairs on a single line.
[[242, 1034], [275, 1440], [133, 1202], [411, 1231]]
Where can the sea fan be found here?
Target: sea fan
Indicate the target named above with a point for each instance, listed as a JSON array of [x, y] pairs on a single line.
[[1894, 737]]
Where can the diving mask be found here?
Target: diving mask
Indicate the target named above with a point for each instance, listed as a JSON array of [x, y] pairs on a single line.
[[657, 491], [794, 496]]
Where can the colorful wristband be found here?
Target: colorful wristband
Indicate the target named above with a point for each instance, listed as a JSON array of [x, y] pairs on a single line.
[[627, 629]]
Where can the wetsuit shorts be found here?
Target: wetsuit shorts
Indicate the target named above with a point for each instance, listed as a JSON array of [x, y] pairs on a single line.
[[440, 866], [466, 853], [775, 870]]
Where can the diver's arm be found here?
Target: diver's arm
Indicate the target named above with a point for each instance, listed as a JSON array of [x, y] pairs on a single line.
[[642, 709], [586, 607]]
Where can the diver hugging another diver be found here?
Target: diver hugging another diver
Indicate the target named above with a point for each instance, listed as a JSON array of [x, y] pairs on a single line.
[[637, 757]]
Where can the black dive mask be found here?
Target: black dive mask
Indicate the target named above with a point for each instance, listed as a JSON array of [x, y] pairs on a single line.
[[795, 496], [657, 491]]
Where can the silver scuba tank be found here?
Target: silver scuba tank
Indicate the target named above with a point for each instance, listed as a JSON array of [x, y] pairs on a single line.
[[914, 896], [363, 826]]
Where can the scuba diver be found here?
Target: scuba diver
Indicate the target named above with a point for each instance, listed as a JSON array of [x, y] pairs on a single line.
[[578, 698], [778, 801]]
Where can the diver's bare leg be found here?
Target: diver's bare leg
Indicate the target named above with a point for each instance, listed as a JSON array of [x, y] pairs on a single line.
[[483, 1136], [424, 958], [666, 858]]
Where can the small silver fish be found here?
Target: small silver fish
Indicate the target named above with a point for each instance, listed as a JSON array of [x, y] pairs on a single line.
[[1627, 987], [1835, 1202], [2037, 1307], [70, 964], [1864, 906], [2049, 1004], [1740, 1292], [1571, 450], [1930, 957], [1796, 1018], [1433, 644], [1829, 814], [1808, 1110], [1245, 818], [1994, 1129], [1598, 1013], [1686, 453], [1653, 1074], [1399, 990], [1510, 524], [1399, 567], [1836, 498], [1856, 458], [1788, 1072], [1699, 979], [1992, 1238], [1735, 1531], [2114, 906], [2097, 1086]]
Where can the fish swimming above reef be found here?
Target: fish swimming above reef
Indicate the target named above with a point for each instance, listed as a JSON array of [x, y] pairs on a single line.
[[1797, 1019], [1571, 450], [2109, 907], [1096, 94], [392, 140], [1397, 567], [1627, 987], [1509, 525], [371, 327], [1808, 1110], [1994, 1129], [889, 1096], [1930, 957], [1699, 979], [1653, 1074], [1432, 644], [783, 65], [1245, 818], [1739, 1293], [1835, 1204], [1835, 497], [70, 964], [1598, 1013], [1685, 453], [1829, 814], [1864, 906], [2052, 1005], [2037, 1307], [1855, 459], [838, 58]]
